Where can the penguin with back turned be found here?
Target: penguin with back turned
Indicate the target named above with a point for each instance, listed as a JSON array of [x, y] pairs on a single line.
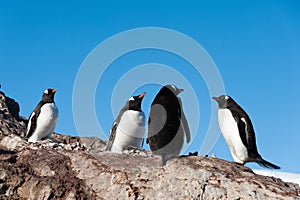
[[167, 124], [42, 120], [128, 130], [238, 132]]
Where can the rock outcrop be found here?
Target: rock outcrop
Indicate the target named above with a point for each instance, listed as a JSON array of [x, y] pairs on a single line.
[[79, 168]]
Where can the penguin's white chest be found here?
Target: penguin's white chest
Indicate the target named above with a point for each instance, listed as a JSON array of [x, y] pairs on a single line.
[[46, 122], [130, 131], [230, 132]]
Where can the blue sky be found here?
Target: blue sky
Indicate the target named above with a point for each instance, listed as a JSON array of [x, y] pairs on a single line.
[[254, 44]]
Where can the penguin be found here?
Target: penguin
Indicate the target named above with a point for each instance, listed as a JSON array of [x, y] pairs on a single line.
[[167, 124], [238, 132], [42, 120], [128, 129]]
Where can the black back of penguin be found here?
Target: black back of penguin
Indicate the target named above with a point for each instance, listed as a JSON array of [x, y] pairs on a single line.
[[165, 133]]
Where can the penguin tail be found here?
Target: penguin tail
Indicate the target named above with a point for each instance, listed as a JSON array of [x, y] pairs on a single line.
[[266, 164]]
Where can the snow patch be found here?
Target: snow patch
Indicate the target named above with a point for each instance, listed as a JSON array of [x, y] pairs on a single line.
[[285, 176]]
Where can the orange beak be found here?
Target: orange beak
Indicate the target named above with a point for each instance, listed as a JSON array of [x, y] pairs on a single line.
[[54, 90], [142, 95], [216, 99]]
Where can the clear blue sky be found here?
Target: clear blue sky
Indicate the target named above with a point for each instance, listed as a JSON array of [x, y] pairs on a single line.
[[254, 44]]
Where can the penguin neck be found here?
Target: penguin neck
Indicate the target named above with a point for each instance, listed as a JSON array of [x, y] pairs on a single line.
[[135, 107], [48, 98], [47, 101]]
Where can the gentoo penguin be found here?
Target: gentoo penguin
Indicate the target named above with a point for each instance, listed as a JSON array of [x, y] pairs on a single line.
[[42, 120], [128, 130], [167, 124], [238, 132]]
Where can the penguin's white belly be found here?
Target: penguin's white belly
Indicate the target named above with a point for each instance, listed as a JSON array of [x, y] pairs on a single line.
[[130, 131], [230, 131], [46, 122]]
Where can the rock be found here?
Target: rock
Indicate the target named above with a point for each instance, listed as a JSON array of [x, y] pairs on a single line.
[[10, 121], [61, 174], [41, 174], [79, 168], [9, 107]]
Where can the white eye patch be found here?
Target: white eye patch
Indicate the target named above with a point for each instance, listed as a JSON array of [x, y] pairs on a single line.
[[131, 99], [46, 91], [226, 97], [174, 87]]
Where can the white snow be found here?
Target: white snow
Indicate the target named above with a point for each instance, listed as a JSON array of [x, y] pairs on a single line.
[[285, 176]]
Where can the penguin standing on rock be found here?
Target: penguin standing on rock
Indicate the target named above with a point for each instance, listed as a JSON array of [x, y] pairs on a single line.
[[42, 120], [238, 132], [167, 124], [128, 130]]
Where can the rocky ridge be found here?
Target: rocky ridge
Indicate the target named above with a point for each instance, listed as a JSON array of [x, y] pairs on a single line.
[[79, 168]]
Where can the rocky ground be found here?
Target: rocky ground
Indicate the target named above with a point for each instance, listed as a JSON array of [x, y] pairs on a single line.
[[79, 168]]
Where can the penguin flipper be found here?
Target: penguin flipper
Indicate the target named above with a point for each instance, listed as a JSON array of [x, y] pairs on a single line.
[[149, 121], [186, 128], [184, 122], [242, 131], [247, 135], [31, 125], [112, 136], [32, 121]]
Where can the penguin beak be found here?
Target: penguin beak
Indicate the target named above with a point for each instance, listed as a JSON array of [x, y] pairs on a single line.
[[180, 90], [216, 99], [142, 95], [54, 90]]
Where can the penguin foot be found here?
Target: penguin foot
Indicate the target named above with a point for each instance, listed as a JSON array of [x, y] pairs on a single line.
[[190, 154], [50, 140], [54, 139], [165, 158], [132, 148], [239, 164]]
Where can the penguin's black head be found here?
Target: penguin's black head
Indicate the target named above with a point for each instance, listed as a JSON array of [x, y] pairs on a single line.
[[48, 95], [173, 89], [135, 102], [224, 101]]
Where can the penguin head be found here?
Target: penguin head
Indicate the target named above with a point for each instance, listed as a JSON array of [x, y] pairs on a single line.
[[173, 89], [48, 95], [224, 101], [135, 102]]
